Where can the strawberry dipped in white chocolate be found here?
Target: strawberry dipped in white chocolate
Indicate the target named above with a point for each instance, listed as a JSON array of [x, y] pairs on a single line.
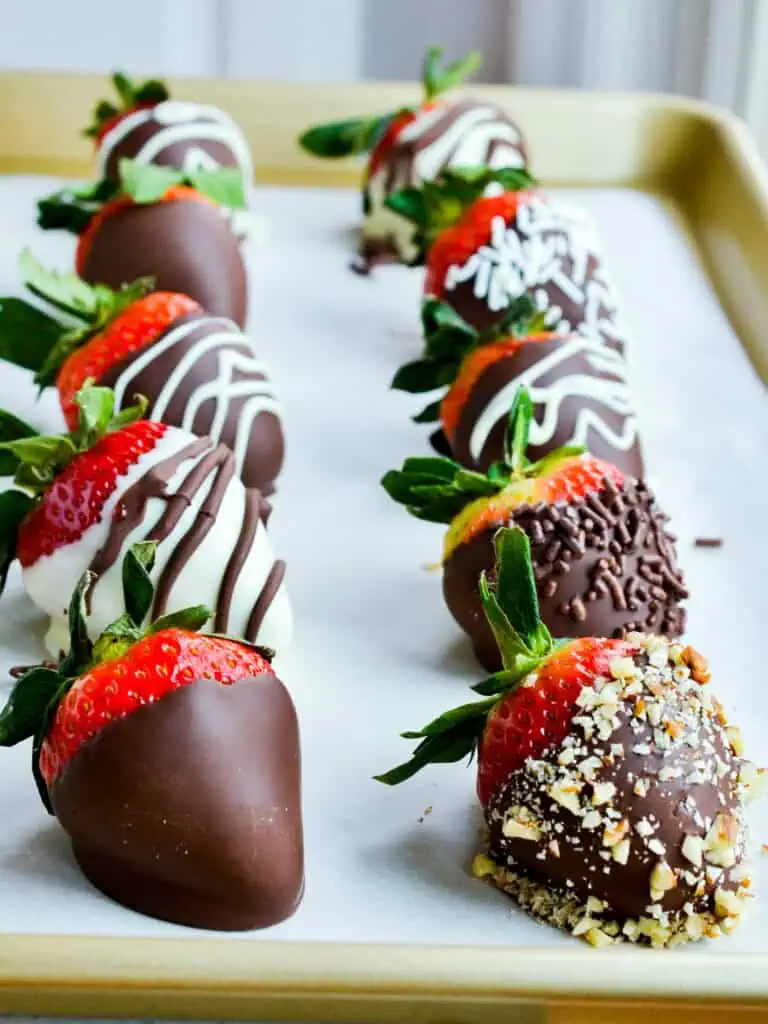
[[83, 499], [412, 146]]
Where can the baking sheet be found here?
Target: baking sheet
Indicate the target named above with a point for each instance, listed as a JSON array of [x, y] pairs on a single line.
[[376, 651]]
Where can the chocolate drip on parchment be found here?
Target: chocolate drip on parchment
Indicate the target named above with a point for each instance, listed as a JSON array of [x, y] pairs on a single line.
[[131, 510]]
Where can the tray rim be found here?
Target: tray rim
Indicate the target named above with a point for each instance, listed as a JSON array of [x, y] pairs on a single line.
[[328, 981]]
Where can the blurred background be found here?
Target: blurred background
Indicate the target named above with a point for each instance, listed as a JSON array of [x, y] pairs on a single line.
[[715, 50]]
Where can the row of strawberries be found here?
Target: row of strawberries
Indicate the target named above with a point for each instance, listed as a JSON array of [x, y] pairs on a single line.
[[612, 787], [155, 493]]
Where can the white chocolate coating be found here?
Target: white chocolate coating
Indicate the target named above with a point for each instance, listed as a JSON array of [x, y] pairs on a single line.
[[51, 579]]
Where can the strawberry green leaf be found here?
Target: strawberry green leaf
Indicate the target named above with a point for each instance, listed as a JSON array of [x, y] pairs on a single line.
[[417, 377], [124, 88], [67, 292], [21, 717], [515, 594], [138, 588], [449, 738], [517, 431], [103, 111], [436, 489], [152, 91], [437, 79], [409, 203], [130, 414], [14, 505], [429, 414], [80, 646], [27, 334], [338, 139], [96, 406], [44, 454], [12, 429], [147, 183], [225, 186], [548, 462], [436, 315], [192, 619]]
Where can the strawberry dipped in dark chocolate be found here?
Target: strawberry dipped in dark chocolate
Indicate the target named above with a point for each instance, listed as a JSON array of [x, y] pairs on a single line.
[[411, 146], [613, 787], [144, 123], [173, 226], [171, 759], [197, 371], [577, 383], [603, 560], [484, 248]]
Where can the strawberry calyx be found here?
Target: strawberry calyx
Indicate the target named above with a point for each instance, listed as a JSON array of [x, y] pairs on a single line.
[[436, 205], [34, 460], [36, 340], [449, 339], [352, 136], [511, 607], [131, 95], [38, 692], [440, 490], [73, 209]]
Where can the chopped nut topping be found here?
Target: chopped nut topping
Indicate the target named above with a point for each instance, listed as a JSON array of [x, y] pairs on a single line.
[[603, 792], [620, 851], [662, 878], [693, 850], [615, 833], [735, 739], [697, 663]]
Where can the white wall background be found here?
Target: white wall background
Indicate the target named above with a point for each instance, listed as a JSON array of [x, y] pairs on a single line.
[[714, 49]]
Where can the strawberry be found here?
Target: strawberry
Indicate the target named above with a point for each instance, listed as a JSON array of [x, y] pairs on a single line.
[[132, 96], [379, 135], [85, 211], [99, 683], [175, 193], [114, 325], [453, 217], [604, 563], [62, 482], [530, 704], [456, 355]]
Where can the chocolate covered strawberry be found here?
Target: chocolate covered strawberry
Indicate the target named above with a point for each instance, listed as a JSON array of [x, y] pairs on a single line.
[[145, 124], [578, 384], [484, 251], [82, 499], [603, 560], [198, 372], [413, 145], [172, 760], [612, 786], [173, 226]]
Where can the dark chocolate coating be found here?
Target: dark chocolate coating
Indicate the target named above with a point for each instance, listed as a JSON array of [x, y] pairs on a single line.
[[189, 809], [174, 155], [266, 446], [588, 299], [186, 245], [602, 592], [624, 887], [506, 370]]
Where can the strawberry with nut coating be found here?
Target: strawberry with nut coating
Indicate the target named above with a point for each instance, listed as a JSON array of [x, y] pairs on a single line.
[[612, 787]]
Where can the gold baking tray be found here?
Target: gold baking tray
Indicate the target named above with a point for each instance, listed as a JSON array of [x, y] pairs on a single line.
[[704, 163]]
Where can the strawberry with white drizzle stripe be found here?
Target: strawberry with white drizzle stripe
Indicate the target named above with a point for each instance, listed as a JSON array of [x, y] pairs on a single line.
[[113, 482], [413, 145]]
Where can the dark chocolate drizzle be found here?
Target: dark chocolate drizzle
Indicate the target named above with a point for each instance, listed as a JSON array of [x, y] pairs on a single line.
[[130, 512], [265, 599]]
